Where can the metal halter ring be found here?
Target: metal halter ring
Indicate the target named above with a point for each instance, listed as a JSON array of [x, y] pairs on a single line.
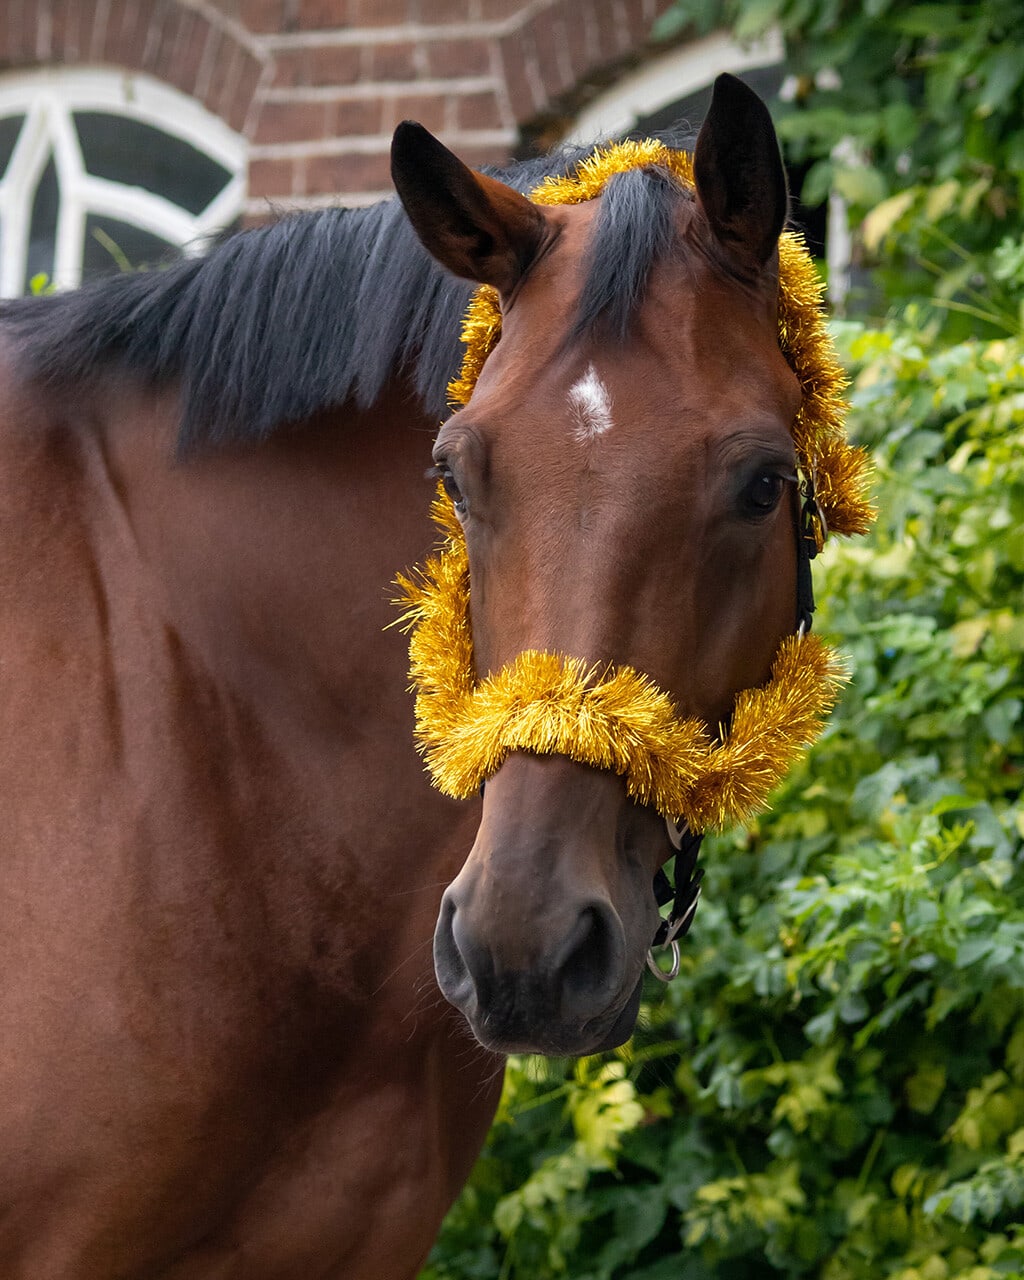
[[664, 975]]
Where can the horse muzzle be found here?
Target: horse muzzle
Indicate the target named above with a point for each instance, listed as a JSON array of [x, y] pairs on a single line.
[[541, 938]]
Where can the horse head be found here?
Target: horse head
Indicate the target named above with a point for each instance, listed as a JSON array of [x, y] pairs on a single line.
[[624, 476]]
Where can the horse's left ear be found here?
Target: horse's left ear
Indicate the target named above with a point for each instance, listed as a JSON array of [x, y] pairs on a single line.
[[475, 226], [738, 173]]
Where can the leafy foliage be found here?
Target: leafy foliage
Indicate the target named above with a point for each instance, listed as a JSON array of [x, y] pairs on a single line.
[[834, 1086], [912, 112]]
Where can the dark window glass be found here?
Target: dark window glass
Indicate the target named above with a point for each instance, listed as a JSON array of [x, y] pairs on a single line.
[[10, 127], [42, 234], [138, 155], [112, 245]]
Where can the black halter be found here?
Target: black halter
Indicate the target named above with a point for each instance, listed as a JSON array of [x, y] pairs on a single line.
[[810, 534]]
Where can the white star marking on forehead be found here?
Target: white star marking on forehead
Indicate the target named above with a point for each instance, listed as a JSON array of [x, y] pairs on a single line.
[[590, 406]]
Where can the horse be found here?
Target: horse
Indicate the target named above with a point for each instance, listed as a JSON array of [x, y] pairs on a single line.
[[224, 1049]]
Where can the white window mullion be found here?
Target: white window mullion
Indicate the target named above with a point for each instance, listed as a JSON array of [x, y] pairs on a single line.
[[67, 260], [23, 173], [140, 208]]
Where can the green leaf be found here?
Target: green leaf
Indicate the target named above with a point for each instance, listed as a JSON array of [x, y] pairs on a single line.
[[883, 217]]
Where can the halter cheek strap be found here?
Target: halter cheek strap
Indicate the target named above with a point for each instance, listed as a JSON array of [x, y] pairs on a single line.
[[811, 532]]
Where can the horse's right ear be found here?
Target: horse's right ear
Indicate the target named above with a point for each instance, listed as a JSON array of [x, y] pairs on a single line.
[[475, 226], [738, 173]]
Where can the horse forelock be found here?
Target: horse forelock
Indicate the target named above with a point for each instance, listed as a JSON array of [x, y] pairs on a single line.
[[636, 228], [278, 322]]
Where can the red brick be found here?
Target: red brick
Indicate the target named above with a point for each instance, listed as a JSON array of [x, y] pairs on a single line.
[[72, 29], [478, 111], [40, 27], [107, 36], [428, 109], [621, 12], [339, 64], [325, 65], [445, 12], [262, 16], [227, 67], [350, 171], [291, 68], [16, 42], [639, 16], [321, 15], [448, 59], [169, 56], [187, 51], [94, 31], [291, 122], [608, 37], [586, 16], [271, 178], [125, 40], [393, 60], [520, 89], [491, 10], [576, 45], [237, 113], [63, 32], [353, 117], [160, 18], [541, 43], [380, 13], [211, 65]]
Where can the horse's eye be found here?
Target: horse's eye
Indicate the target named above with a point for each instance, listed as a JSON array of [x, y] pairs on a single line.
[[451, 488], [764, 491]]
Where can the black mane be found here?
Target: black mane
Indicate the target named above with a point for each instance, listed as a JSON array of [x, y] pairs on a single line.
[[314, 310]]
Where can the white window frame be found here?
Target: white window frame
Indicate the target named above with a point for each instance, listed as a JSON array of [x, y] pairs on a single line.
[[47, 99]]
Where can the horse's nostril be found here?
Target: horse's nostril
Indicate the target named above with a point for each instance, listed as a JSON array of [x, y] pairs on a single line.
[[593, 957], [449, 963]]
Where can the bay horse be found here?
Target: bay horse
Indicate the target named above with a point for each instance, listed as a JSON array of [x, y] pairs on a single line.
[[223, 1050]]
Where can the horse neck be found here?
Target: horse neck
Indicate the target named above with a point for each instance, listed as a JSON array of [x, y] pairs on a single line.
[[263, 572], [274, 559]]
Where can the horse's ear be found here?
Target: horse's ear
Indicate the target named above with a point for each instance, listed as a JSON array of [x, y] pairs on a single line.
[[475, 226], [738, 173]]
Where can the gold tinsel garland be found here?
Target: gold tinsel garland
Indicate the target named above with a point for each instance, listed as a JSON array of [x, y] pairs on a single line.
[[616, 718]]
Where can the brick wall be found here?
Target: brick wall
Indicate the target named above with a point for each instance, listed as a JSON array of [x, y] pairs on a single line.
[[317, 86]]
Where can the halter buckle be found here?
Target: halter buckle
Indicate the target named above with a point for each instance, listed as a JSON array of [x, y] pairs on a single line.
[[813, 527]]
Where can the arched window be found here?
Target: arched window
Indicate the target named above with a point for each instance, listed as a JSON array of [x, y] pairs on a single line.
[[101, 170]]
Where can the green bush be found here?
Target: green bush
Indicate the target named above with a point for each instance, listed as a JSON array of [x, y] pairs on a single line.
[[913, 113], [834, 1086]]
